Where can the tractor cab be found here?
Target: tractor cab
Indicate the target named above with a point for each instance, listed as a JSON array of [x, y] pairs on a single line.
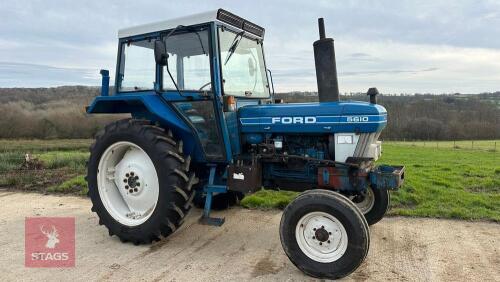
[[204, 66], [210, 52]]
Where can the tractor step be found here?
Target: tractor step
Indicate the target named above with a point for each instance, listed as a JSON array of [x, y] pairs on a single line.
[[214, 221], [210, 189]]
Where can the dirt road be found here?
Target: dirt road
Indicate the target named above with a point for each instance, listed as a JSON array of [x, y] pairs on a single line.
[[246, 247]]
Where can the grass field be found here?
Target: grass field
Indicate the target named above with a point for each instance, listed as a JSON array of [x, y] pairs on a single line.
[[63, 163], [443, 179], [440, 181], [44, 145], [486, 145]]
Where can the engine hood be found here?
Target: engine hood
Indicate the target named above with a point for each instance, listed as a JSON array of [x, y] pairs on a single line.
[[345, 116]]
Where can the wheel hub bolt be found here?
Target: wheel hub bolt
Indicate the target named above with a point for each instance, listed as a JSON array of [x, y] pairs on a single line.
[[132, 179], [132, 183]]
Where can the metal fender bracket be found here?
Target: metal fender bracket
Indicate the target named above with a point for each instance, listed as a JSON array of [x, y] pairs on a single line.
[[245, 178], [387, 177]]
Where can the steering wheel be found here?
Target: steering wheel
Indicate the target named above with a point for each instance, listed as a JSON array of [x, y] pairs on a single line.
[[205, 85]]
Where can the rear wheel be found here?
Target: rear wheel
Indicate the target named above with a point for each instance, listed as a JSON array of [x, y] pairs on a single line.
[[324, 234], [139, 181], [374, 204]]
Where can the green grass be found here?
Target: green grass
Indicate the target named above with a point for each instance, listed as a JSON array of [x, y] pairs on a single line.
[[446, 182], [63, 159], [44, 145], [55, 154], [74, 185], [443, 179], [10, 160], [268, 199], [440, 181], [13, 179], [486, 145]]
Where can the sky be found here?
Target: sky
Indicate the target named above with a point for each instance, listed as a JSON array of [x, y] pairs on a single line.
[[396, 46]]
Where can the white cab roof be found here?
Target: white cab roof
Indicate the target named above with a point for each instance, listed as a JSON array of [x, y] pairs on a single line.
[[200, 18]]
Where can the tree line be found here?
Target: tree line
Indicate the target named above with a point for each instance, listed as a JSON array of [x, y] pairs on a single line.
[[431, 117], [50, 113]]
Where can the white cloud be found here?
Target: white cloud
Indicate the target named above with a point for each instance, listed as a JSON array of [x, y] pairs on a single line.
[[398, 46], [394, 67]]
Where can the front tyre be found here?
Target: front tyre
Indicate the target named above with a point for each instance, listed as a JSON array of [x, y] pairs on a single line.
[[324, 234], [139, 181], [374, 204]]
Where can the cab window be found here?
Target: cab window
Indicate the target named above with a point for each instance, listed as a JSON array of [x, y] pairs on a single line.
[[188, 62], [137, 66]]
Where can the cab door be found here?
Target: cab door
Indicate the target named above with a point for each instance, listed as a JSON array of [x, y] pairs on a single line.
[[190, 73]]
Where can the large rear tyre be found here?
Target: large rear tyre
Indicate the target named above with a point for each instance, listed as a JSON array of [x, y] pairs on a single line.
[[374, 204], [324, 234], [139, 181]]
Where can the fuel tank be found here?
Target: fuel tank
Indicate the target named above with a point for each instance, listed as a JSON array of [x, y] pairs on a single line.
[[313, 118]]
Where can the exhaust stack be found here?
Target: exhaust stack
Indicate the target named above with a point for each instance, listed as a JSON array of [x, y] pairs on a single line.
[[326, 69]]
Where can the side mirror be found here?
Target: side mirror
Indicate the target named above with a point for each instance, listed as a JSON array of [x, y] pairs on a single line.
[[161, 55]]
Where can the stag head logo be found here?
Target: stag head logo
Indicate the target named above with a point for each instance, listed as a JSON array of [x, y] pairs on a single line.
[[52, 237], [49, 242]]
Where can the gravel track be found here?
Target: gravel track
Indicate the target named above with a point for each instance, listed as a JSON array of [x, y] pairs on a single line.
[[245, 248]]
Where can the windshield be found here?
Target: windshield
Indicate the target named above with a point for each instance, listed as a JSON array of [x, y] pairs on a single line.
[[243, 69]]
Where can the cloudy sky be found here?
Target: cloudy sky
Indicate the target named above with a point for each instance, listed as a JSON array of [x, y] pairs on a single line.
[[397, 46]]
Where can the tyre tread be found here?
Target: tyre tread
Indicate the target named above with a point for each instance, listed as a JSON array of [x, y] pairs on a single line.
[[177, 206]]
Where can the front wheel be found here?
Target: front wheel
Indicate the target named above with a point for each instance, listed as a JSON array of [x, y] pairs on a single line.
[[374, 204], [324, 234]]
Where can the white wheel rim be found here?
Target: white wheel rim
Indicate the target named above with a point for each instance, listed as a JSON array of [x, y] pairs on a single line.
[[368, 201], [321, 237], [127, 183]]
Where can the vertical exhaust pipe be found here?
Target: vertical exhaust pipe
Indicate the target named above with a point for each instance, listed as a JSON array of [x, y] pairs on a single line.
[[326, 69]]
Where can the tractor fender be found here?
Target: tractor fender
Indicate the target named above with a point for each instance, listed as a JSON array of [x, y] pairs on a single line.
[[150, 106]]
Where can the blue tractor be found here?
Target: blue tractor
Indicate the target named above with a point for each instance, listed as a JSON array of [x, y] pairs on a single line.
[[206, 128]]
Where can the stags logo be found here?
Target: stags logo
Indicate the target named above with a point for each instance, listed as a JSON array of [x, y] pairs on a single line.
[[49, 242], [52, 237]]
